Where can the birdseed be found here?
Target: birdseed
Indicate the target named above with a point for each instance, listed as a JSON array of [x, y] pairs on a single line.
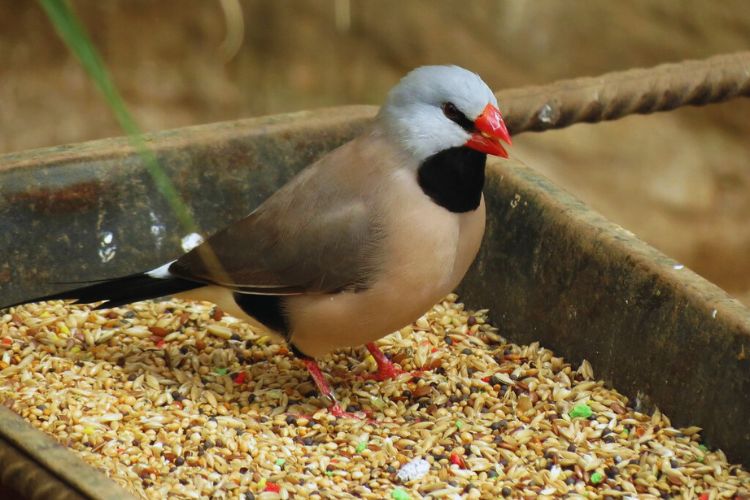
[[176, 399]]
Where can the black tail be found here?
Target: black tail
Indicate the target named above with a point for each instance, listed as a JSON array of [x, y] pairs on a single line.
[[121, 291]]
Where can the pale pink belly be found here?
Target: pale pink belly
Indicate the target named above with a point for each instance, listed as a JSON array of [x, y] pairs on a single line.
[[427, 264], [425, 267], [323, 324]]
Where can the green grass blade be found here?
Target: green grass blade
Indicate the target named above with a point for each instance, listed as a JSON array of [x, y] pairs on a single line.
[[77, 40]]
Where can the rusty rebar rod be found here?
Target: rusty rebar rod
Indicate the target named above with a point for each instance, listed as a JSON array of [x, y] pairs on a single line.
[[614, 95]]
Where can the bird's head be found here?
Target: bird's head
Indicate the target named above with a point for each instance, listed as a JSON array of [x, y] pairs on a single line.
[[434, 108]]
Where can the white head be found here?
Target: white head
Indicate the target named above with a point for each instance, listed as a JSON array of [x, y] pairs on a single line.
[[434, 108]]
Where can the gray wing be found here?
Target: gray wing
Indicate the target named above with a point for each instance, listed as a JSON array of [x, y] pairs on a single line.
[[308, 237]]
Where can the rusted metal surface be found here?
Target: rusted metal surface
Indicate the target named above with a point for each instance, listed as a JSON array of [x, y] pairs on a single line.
[[614, 95], [39, 468], [91, 210]]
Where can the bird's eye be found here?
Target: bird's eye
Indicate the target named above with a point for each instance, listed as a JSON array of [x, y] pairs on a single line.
[[452, 113]]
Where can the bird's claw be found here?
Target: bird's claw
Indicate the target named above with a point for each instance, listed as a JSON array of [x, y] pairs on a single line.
[[385, 371], [386, 368], [339, 412]]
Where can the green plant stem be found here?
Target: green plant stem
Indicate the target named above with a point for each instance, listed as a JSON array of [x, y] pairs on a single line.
[[77, 40]]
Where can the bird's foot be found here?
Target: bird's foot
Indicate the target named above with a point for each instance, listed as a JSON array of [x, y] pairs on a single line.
[[385, 372], [386, 368], [337, 411], [325, 389]]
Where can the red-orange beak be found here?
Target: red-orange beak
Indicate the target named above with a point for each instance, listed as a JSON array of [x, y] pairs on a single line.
[[491, 130]]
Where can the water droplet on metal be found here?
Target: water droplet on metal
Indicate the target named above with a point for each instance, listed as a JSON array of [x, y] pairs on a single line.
[[191, 241], [545, 114], [158, 230], [107, 247], [516, 199]]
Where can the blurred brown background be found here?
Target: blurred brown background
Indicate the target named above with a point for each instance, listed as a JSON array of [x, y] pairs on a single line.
[[679, 180]]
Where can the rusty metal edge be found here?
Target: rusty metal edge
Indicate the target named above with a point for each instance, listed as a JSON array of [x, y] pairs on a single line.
[[115, 147], [703, 294], [38, 467]]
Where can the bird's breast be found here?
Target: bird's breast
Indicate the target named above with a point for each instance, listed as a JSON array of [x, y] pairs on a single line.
[[426, 252]]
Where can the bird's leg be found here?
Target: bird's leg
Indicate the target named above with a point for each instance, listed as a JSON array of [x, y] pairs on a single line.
[[386, 368], [325, 389]]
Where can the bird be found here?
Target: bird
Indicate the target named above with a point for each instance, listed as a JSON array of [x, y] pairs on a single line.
[[358, 244]]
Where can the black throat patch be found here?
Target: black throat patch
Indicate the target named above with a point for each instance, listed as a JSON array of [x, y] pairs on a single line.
[[267, 309], [454, 178]]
